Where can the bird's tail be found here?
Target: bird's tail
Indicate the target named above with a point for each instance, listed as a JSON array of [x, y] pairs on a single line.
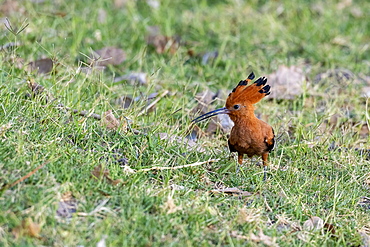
[[252, 93]]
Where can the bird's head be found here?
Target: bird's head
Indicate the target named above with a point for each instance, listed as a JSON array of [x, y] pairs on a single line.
[[240, 101]]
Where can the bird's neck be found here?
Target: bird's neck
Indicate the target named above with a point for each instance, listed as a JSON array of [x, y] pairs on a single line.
[[244, 119]]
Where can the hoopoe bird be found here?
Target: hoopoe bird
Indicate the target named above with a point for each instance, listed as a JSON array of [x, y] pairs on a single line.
[[249, 135]]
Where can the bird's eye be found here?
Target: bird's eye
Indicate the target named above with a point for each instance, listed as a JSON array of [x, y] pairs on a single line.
[[236, 107]]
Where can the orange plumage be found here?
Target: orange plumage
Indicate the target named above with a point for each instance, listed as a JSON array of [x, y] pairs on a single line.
[[250, 135]]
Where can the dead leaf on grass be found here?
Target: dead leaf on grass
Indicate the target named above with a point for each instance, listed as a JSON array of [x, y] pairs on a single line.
[[162, 43], [27, 228], [108, 56], [330, 229], [41, 66], [109, 120], [103, 174], [314, 223], [287, 82], [67, 205]]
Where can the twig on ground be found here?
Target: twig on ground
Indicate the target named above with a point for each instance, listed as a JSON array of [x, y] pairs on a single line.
[[24, 177]]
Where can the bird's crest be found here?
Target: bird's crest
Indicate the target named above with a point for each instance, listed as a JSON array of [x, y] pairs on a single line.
[[251, 93]]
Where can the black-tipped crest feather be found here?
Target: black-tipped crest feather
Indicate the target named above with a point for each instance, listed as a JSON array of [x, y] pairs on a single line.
[[251, 93], [261, 81]]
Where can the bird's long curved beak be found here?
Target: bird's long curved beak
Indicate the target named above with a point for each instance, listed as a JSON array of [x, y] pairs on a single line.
[[222, 110]]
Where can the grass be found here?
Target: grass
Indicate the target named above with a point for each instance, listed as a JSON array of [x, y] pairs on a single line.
[[175, 207]]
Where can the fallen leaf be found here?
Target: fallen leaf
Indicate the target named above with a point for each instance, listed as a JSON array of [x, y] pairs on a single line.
[[100, 174], [314, 223], [41, 66], [108, 55], [110, 121], [232, 191], [287, 82], [162, 43], [330, 228]]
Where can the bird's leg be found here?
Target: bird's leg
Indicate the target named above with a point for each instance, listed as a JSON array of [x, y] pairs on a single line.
[[240, 162], [264, 161]]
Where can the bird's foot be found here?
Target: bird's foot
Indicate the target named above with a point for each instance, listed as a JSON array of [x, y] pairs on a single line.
[[264, 173]]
